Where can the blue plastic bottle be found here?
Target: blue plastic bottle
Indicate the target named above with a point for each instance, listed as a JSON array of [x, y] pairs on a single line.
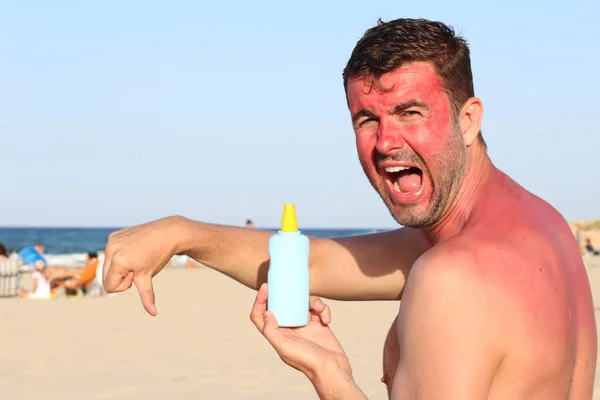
[[288, 276]]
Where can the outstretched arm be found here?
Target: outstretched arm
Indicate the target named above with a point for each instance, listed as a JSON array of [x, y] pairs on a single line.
[[364, 267]]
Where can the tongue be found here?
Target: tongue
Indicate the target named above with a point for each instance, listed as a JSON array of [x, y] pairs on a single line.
[[409, 181]]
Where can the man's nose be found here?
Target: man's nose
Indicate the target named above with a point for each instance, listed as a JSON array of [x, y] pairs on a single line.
[[389, 139]]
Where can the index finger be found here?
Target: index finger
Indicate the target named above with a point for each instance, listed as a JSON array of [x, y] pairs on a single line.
[[319, 310], [143, 283]]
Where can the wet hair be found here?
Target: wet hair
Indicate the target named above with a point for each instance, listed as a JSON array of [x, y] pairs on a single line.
[[3, 251], [391, 45]]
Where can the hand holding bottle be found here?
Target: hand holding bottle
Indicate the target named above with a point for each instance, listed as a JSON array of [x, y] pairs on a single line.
[[312, 349]]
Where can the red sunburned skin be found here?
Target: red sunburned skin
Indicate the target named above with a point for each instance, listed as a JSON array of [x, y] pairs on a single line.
[[405, 127]]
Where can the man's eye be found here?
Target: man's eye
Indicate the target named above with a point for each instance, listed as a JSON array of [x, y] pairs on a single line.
[[366, 121]]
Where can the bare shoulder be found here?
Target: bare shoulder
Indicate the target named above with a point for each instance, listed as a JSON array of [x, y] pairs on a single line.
[[480, 282], [461, 284], [448, 317], [465, 271]]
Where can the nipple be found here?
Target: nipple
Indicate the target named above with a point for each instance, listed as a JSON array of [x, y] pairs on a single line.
[[289, 222]]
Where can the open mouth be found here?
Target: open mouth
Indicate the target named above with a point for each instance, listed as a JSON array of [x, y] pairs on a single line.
[[405, 179]]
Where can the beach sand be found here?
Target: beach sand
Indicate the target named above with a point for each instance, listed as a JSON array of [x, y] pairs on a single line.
[[200, 346]]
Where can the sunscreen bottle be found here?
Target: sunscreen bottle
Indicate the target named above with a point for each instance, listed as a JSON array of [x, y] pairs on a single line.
[[288, 277]]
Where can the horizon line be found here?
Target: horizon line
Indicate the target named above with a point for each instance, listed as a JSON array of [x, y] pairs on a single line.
[[125, 227]]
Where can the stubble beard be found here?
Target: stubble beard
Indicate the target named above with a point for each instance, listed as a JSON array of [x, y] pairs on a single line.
[[449, 168]]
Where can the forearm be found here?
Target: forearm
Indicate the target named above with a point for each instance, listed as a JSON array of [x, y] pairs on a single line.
[[240, 253], [373, 266], [338, 386]]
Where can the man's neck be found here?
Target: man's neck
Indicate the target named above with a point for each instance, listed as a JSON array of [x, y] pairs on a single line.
[[479, 169]]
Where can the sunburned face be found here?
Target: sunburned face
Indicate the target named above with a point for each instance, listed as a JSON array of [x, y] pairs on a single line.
[[408, 144]]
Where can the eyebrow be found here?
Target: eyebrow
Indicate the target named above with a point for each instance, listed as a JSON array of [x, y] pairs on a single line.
[[398, 108], [412, 103]]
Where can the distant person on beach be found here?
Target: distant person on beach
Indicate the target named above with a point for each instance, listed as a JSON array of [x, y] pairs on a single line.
[[496, 302], [80, 278], [250, 224], [33, 255], [42, 287], [589, 248], [9, 273]]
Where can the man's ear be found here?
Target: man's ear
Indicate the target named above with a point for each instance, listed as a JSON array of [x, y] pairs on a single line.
[[470, 120]]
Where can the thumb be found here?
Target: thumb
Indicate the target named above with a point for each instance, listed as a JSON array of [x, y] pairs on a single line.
[[271, 328], [270, 320], [144, 286], [271, 324]]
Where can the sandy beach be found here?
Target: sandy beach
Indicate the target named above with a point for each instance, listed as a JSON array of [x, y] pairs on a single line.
[[200, 346]]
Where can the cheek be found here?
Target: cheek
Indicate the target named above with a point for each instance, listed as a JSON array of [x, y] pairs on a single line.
[[365, 146], [427, 139]]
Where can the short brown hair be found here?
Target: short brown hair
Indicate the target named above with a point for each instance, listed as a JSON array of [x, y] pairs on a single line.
[[390, 45]]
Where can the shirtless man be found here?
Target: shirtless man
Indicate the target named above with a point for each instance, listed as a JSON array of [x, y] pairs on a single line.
[[497, 304]]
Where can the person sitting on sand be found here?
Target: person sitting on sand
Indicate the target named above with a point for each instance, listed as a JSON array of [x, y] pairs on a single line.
[[33, 255], [9, 274], [589, 248], [42, 288], [81, 278]]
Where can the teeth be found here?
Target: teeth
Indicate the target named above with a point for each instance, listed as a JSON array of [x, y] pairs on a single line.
[[395, 169]]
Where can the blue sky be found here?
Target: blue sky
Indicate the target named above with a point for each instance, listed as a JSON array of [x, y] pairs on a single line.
[[115, 113]]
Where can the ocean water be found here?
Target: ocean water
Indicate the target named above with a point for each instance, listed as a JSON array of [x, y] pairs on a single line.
[[68, 246]]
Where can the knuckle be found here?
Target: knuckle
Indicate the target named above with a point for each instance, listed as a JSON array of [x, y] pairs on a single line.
[[107, 288], [109, 249], [118, 259]]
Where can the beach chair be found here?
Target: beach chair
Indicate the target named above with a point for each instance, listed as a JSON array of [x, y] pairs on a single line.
[[10, 277]]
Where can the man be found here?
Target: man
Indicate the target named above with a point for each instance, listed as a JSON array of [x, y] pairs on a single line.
[[33, 256], [589, 248], [80, 278], [10, 271], [497, 304]]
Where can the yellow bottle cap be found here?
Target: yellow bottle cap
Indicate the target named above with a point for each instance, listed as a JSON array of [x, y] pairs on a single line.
[[289, 222]]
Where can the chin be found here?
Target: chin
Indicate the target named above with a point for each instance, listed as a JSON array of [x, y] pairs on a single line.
[[415, 215], [412, 216]]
